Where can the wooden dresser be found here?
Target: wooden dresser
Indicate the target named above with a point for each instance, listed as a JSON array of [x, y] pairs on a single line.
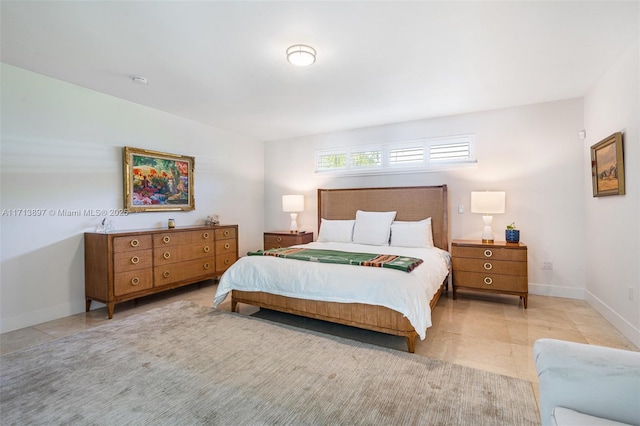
[[278, 239], [498, 267], [122, 266]]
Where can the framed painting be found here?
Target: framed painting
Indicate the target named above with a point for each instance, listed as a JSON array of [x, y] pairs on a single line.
[[607, 166], [157, 181]]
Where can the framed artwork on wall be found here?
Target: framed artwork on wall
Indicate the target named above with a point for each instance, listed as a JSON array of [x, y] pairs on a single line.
[[157, 181], [607, 166]]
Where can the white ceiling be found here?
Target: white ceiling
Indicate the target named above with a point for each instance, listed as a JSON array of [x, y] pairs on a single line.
[[223, 63]]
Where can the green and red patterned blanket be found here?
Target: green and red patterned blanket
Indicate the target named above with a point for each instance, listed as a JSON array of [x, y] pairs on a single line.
[[401, 263]]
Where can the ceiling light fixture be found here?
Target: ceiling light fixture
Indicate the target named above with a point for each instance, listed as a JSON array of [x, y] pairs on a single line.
[[140, 80], [301, 55]]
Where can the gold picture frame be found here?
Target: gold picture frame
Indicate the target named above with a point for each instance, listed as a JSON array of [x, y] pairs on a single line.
[[157, 181], [607, 166]]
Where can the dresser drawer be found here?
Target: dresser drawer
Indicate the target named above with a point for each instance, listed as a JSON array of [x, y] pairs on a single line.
[[173, 254], [225, 247], [176, 272], [489, 266], [224, 261], [278, 241], [132, 260], [282, 239], [131, 243], [225, 233], [133, 281], [487, 281], [489, 253], [175, 238]]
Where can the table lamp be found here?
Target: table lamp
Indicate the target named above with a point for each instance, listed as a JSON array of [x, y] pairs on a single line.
[[487, 203]]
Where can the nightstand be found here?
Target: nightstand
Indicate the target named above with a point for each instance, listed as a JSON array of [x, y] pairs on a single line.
[[278, 239], [498, 267]]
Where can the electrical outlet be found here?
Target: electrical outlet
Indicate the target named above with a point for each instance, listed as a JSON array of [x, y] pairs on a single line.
[[460, 209], [630, 293], [547, 265]]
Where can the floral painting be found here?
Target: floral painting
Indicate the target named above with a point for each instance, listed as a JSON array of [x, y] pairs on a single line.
[[157, 181]]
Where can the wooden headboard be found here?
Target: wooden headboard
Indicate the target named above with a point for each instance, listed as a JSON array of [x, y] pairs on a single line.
[[410, 203]]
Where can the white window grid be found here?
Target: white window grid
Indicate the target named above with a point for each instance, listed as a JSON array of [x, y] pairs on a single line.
[[408, 156]]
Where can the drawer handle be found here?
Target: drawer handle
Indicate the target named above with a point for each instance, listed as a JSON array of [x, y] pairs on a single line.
[[226, 233], [207, 265], [227, 261], [165, 274], [488, 280], [135, 281], [487, 266], [166, 255], [135, 243], [135, 259], [205, 235], [166, 239], [226, 246], [488, 253], [279, 239], [206, 249]]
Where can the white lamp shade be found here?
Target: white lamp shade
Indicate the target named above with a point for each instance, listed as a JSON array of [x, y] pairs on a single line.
[[487, 202], [292, 203]]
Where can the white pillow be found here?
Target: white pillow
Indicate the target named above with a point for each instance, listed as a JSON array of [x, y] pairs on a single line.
[[335, 231], [412, 234], [373, 228]]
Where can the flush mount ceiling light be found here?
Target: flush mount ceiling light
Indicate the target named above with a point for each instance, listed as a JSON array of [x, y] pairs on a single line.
[[301, 55]]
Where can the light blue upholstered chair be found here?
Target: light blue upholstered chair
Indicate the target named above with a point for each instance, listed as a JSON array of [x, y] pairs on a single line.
[[585, 385]]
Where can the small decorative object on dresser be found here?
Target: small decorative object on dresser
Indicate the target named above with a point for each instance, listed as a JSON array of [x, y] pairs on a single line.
[[121, 266], [278, 239], [511, 234], [498, 267]]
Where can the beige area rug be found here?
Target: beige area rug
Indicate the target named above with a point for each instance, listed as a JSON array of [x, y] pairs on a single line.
[[188, 364]]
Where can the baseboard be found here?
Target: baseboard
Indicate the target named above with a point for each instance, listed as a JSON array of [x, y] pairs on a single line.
[[621, 324], [556, 291], [40, 316]]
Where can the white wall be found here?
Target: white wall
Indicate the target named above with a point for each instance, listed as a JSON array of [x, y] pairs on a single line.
[[62, 149], [613, 223], [531, 152]]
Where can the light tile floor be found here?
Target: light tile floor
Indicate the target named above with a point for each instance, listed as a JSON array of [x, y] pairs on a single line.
[[483, 331]]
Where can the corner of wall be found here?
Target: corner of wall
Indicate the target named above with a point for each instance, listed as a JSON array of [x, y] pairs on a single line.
[[625, 327]]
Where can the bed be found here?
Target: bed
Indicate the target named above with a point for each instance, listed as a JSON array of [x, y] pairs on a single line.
[[411, 204]]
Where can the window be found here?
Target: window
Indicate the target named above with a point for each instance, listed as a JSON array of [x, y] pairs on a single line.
[[399, 157], [366, 159], [411, 155], [331, 161]]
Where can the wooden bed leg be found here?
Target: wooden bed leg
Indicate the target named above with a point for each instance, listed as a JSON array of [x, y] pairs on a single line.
[[234, 305], [411, 343]]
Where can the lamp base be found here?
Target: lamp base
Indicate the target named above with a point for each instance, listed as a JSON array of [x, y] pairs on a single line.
[[294, 224], [487, 232]]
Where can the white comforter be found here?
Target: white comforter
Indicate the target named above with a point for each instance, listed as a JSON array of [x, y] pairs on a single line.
[[407, 293]]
